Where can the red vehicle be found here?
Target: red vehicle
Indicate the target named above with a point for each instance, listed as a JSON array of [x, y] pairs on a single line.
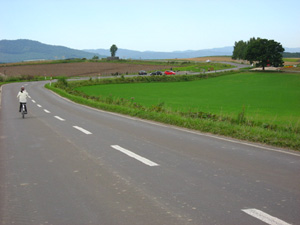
[[169, 72]]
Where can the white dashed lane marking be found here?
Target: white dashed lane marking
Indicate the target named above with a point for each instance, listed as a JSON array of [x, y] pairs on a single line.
[[39, 105], [265, 217], [47, 111], [82, 130], [59, 118], [135, 156]]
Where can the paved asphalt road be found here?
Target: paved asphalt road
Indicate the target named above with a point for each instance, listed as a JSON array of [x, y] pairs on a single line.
[[69, 164]]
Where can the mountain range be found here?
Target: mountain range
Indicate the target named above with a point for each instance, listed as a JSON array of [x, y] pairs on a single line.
[[131, 54], [25, 50]]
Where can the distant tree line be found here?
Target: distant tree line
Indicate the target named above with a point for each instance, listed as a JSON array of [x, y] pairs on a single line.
[[262, 51], [291, 55]]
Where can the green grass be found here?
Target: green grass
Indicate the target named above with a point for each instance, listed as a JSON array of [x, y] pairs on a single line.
[[291, 59], [23, 78], [239, 101], [272, 98], [198, 67]]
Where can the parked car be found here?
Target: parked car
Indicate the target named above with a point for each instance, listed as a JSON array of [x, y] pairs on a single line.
[[142, 72], [156, 73], [169, 72]]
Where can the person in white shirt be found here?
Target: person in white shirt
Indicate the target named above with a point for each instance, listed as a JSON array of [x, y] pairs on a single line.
[[22, 95]]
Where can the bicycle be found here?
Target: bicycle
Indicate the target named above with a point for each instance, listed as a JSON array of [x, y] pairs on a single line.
[[23, 110]]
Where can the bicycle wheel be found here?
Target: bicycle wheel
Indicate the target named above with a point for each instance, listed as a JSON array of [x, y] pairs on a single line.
[[23, 111]]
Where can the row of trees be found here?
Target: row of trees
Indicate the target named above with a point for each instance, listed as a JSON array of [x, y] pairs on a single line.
[[262, 51]]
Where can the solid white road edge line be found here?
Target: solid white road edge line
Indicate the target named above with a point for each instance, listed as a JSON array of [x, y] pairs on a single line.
[[82, 130], [59, 118], [46, 111], [135, 156], [264, 217]]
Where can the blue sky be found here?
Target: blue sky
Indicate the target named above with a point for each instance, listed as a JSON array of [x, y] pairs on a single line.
[[155, 25]]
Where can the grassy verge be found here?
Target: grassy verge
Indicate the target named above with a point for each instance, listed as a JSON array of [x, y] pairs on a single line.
[[23, 78], [238, 127]]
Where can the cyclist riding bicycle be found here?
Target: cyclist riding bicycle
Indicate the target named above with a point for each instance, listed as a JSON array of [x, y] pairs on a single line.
[[22, 95]]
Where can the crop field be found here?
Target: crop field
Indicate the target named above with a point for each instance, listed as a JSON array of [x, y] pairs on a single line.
[[98, 68], [89, 68], [272, 98], [75, 69]]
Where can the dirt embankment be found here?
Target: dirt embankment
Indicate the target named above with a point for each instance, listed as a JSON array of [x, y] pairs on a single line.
[[75, 69]]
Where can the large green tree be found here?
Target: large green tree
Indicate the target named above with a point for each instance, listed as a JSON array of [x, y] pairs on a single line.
[[239, 50], [113, 50], [264, 52]]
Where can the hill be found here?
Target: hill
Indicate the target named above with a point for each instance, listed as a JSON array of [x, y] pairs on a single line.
[[292, 50], [131, 54], [23, 50]]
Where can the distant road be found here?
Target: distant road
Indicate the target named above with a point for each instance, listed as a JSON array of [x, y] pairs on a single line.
[[69, 164], [237, 66]]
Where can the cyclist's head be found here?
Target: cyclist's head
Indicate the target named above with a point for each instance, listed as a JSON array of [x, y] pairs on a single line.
[[22, 88]]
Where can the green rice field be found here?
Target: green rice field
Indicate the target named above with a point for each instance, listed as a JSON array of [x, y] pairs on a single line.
[[266, 97]]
